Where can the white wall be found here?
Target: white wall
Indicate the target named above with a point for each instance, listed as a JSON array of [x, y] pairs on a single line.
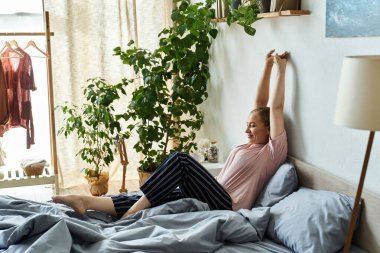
[[311, 88]]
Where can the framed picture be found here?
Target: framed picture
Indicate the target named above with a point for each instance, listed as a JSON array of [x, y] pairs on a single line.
[[352, 18]]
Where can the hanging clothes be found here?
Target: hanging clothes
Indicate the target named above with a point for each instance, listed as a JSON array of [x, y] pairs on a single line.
[[19, 80], [4, 112]]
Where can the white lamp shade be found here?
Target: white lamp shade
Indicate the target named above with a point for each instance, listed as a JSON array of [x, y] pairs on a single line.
[[358, 102]]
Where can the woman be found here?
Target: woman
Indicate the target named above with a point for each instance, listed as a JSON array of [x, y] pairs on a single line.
[[247, 169]]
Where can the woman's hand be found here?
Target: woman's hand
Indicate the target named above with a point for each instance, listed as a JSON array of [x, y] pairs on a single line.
[[262, 94], [269, 58], [281, 60]]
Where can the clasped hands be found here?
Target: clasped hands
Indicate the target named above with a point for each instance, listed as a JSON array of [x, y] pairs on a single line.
[[279, 59]]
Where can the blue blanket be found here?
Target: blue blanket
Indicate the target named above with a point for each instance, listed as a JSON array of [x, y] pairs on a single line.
[[185, 225]]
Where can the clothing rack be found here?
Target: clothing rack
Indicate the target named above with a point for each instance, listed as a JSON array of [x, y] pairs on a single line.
[[14, 178], [25, 34]]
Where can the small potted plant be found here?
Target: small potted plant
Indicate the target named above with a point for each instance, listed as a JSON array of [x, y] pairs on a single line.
[[245, 14], [98, 128]]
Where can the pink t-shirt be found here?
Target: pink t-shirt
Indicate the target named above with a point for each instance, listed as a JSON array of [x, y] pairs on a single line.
[[249, 167]]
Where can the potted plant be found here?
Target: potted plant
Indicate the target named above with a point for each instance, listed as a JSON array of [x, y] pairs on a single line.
[[245, 14], [97, 126], [242, 12], [164, 109]]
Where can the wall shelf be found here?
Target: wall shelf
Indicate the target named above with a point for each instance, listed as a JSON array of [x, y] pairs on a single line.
[[218, 20], [286, 13], [283, 13]]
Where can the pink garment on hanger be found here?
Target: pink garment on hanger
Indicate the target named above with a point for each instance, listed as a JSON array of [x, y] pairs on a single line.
[[19, 80], [4, 111]]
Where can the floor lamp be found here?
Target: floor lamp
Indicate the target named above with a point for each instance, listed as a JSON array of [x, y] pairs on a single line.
[[358, 106]]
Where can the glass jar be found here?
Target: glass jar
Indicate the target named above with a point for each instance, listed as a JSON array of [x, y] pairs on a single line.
[[213, 153]]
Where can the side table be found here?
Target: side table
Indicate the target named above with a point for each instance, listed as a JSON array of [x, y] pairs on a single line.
[[213, 168]]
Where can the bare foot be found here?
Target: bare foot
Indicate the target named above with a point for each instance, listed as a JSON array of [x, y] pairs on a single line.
[[76, 202]]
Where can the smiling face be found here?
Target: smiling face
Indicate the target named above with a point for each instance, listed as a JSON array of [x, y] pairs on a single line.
[[257, 131]]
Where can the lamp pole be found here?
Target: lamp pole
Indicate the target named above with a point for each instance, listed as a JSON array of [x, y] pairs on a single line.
[[355, 211]]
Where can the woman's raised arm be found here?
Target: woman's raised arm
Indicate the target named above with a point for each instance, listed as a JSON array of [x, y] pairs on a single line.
[[277, 101], [262, 92]]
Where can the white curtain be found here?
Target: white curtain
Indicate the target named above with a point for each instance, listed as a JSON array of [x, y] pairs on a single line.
[[85, 34]]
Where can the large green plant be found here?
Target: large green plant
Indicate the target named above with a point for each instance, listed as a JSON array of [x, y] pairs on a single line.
[[95, 124], [165, 107], [174, 77]]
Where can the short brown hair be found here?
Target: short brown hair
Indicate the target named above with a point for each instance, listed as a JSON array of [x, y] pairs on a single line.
[[264, 114]]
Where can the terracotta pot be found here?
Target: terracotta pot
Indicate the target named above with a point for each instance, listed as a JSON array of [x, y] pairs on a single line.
[[143, 176], [98, 185]]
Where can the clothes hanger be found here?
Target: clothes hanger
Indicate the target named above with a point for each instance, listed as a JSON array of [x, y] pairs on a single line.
[[33, 44], [9, 46], [14, 44]]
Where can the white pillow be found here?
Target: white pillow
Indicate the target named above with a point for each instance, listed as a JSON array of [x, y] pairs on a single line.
[[283, 183], [311, 221]]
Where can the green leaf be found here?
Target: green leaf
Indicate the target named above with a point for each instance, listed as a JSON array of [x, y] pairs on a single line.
[[176, 16], [181, 29], [213, 33], [183, 6], [250, 30]]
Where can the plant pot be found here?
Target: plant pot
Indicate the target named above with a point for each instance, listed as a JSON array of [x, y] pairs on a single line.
[[98, 185], [143, 176], [34, 170]]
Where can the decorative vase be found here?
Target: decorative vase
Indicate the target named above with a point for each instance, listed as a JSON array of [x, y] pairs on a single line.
[[213, 153], [143, 176], [98, 185]]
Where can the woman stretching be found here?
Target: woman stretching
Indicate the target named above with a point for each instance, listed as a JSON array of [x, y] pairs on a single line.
[[248, 167]]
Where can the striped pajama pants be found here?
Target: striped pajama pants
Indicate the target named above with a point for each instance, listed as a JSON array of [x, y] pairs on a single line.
[[182, 171]]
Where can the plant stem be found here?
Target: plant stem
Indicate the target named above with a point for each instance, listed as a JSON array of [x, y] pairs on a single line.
[[167, 135]]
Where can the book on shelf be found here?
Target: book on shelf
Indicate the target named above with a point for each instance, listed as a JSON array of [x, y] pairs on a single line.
[[277, 5], [272, 5]]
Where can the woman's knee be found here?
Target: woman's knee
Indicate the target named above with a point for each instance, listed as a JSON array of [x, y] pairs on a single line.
[[180, 158], [179, 155]]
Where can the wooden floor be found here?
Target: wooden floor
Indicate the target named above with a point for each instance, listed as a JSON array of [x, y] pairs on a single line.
[[43, 193]]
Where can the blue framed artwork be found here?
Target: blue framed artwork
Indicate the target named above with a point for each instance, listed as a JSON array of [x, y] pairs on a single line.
[[352, 18]]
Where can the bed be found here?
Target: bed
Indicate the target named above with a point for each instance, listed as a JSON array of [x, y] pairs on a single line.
[[279, 222]]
